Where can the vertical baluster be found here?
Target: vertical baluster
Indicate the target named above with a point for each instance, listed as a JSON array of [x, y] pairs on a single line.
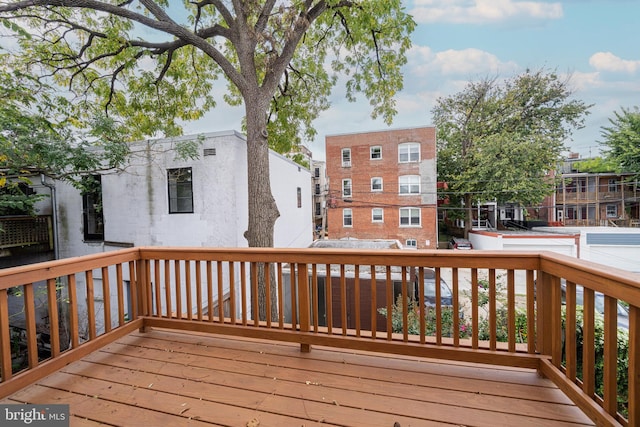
[[390, 303], [147, 300], [210, 291], [133, 282], [357, 298], [198, 267], [243, 291], [303, 303], [405, 305], [475, 324], [106, 298], [456, 308], [281, 297], [556, 322], [232, 292], [52, 305], [91, 310], [73, 316], [422, 305], [343, 299], [492, 310], [254, 298], [5, 338], [610, 355], [167, 288], [314, 296], [178, 285], [294, 298], [219, 268], [531, 317], [267, 286], [328, 285], [438, 308], [511, 310], [570, 327], [30, 319], [588, 344], [374, 301], [156, 282], [634, 366], [120, 293], [187, 287]]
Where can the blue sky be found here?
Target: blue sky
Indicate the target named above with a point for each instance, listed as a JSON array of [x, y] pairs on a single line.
[[593, 41]]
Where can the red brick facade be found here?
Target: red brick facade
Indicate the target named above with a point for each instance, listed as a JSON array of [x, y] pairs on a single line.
[[405, 163]]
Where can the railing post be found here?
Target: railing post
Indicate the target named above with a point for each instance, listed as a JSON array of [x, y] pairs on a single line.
[[141, 289], [303, 303], [544, 313]]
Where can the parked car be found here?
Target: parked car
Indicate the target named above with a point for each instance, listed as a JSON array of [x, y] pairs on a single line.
[[459, 243], [623, 314], [446, 296]]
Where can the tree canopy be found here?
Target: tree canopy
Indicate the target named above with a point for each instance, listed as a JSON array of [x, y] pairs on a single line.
[[154, 64], [621, 140], [498, 140]]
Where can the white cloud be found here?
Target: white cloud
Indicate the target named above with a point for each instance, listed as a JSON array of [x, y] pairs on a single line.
[[483, 11], [467, 62], [607, 61]]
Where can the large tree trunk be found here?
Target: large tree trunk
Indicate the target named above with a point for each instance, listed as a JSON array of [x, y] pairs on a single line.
[[263, 211], [468, 208]]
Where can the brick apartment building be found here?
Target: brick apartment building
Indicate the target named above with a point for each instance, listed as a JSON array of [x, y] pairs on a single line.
[[382, 185]]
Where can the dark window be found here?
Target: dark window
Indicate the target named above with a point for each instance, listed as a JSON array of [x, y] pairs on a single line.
[[92, 219], [299, 193], [180, 190]]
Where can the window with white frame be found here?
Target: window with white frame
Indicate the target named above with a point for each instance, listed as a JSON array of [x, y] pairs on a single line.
[[346, 157], [409, 184], [613, 185], [347, 218], [375, 152], [409, 152], [377, 215], [346, 188], [376, 184], [411, 243], [409, 217], [612, 211]]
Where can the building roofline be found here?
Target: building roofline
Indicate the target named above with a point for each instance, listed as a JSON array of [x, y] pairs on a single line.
[[382, 130]]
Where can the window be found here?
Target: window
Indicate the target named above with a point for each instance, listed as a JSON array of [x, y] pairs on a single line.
[[346, 157], [376, 152], [411, 243], [377, 215], [613, 186], [92, 219], [346, 188], [347, 218], [409, 152], [299, 196], [612, 211], [376, 184], [317, 173], [180, 190], [318, 189], [409, 184], [318, 209], [409, 217]]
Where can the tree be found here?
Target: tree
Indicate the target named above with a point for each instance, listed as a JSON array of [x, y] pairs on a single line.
[[497, 141], [622, 139], [154, 63]]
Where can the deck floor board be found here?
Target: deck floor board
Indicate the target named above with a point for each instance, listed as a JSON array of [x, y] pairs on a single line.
[[172, 378]]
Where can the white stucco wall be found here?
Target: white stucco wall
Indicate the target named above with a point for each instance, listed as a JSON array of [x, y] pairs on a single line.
[[565, 245]]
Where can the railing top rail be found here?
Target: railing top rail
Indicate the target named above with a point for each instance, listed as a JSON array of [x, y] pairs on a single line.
[[31, 273], [415, 258], [614, 282]]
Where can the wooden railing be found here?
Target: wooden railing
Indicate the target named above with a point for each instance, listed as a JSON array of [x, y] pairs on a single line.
[[504, 309]]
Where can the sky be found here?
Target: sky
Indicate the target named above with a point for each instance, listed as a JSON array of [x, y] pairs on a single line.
[[457, 41]]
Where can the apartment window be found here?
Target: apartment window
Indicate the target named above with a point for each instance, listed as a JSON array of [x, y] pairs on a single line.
[[376, 152], [612, 211], [409, 184], [376, 184], [347, 218], [409, 217], [377, 215], [317, 172], [92, 219], [613, 185], [346, 188], [318, 209], [180, 190], [299, 196], [346, 157], [411, 243], [318, 189], [409, 152]]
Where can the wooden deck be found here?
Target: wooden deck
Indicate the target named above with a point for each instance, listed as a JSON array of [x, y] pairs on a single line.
[[163, 378]]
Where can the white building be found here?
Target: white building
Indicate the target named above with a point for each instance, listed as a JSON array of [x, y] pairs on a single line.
[[162, 200]]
